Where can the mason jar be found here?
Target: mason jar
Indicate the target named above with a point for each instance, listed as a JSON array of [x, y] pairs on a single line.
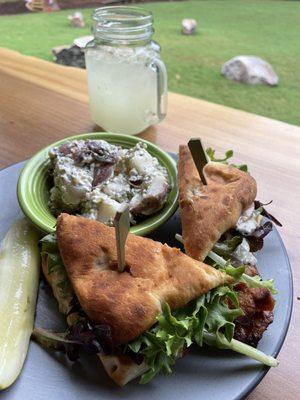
[[127, 79]]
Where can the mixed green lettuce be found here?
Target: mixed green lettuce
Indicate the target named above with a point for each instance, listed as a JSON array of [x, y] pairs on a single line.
[[251, 281], [49, 248], [176, 331], [208, 320], [211, 154], [226, 247]]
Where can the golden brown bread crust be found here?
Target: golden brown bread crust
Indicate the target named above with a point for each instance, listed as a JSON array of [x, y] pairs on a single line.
[[129, 301], [208, 211]]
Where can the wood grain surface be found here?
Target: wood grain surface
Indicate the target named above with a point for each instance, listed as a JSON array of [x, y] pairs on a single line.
[[41, 102]]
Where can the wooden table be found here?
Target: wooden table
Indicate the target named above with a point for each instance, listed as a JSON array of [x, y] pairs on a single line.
[[41, 102]]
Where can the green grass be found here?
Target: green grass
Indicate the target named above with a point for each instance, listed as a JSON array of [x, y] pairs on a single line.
[[226, 28]]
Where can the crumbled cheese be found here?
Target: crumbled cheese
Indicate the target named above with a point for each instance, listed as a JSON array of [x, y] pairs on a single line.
[[248, 221], [71, 182], [242, 253]]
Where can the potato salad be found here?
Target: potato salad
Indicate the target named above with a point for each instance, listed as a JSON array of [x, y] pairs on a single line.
[[94, 178]]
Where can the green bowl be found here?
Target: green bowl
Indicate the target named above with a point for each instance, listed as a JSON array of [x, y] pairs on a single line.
[[34, 184]]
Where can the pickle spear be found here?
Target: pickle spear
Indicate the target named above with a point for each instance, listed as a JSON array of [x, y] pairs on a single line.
[[19, 279]]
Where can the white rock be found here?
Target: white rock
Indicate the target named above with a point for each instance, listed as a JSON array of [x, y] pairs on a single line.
[[82, 41], [76, 19], [249, 69], [188, 26]]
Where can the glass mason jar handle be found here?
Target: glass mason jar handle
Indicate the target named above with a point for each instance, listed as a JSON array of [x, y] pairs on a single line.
[[162, 87]]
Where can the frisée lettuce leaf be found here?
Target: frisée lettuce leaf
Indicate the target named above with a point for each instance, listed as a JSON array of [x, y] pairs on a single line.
[[207, 320], [257, 282], [251, 281], [214, 259], [211, 154]]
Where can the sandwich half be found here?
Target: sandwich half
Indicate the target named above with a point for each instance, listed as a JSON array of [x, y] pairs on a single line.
[[126, 303], [208, 211], [219, 220]]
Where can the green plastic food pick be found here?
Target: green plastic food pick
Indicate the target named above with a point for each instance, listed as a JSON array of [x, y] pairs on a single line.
[[199, 156], [122, 226]]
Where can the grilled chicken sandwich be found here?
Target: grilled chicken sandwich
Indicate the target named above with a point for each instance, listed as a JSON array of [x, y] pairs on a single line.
[[140, 321], [222, 220]]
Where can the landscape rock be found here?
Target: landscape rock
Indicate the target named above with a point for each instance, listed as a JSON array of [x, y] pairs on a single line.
[[188, 26], [251, 70], [76, 19], [82, 41], [69, 55]]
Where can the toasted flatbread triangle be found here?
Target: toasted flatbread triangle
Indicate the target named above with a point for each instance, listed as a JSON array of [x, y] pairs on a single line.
[[129, 301], [208, 211]]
